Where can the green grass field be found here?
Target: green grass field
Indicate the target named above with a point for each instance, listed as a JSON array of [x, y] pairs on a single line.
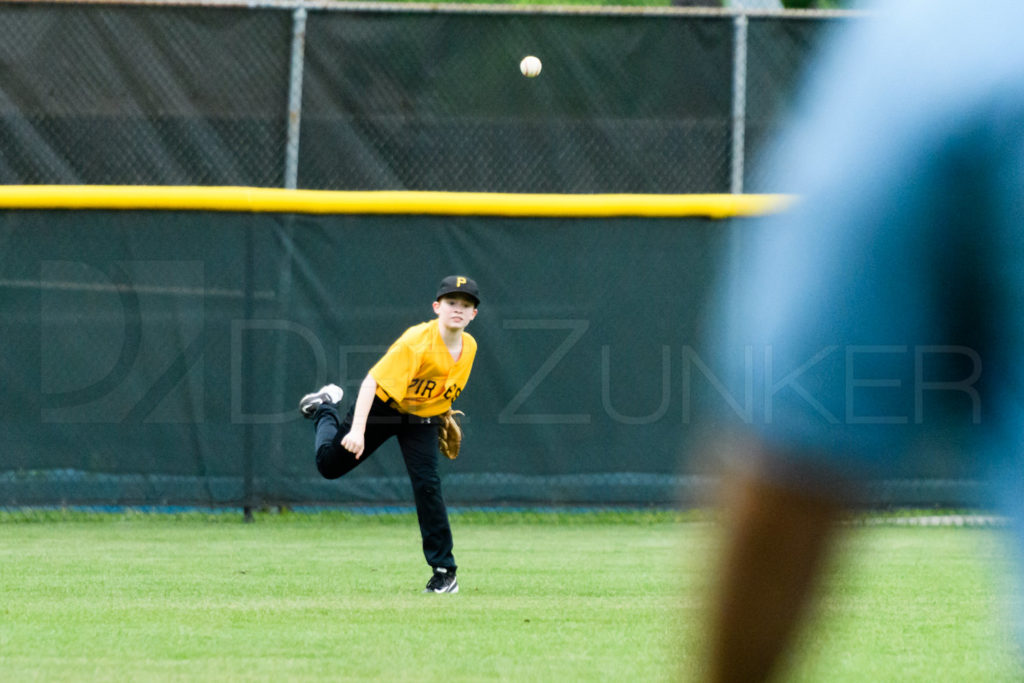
[[543, 598]]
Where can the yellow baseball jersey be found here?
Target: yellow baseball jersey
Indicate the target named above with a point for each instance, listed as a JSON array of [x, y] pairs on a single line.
[[420, 374]]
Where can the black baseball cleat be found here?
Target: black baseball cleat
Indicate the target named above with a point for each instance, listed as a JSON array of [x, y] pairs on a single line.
[[330, 393], [443, 581]]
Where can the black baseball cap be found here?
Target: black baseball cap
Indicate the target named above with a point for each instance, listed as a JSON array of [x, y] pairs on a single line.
[[459, 284]]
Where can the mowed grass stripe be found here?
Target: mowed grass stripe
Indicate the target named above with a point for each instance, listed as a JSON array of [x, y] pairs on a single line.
[[338, 598]]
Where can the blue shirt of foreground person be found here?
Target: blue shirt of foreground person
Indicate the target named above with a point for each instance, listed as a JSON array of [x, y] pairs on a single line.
[[880, 321]]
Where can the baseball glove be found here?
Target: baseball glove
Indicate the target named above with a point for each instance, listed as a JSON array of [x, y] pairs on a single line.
[[449, 434]]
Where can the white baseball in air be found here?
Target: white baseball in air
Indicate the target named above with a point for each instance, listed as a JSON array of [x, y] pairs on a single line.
[[530, 66]]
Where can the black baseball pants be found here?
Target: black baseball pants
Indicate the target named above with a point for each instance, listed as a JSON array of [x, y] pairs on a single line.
[[417, 439]]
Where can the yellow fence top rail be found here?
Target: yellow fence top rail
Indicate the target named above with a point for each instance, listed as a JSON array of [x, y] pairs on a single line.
[[273, 200]]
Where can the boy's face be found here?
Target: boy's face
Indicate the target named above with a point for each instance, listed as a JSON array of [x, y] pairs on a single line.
[[455, 311]]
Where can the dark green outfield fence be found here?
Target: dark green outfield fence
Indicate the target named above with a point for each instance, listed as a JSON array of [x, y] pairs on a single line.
[[158, 357]]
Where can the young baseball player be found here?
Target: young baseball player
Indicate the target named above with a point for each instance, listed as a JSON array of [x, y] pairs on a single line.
[[407, 394]]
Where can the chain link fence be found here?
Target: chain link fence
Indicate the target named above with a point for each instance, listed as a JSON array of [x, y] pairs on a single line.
[[323, 96]]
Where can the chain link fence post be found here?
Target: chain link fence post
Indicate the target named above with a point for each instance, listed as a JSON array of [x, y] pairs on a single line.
[[291, 162], [739, 103]]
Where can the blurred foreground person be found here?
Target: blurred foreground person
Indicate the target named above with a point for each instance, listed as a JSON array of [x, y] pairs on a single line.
[[879, 323]]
